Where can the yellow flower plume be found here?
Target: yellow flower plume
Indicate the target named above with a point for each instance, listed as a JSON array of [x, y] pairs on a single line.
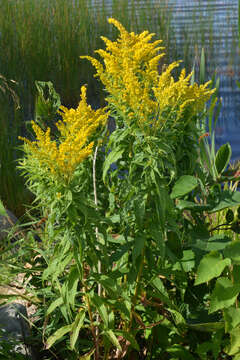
[[137, 90], [61, 157]]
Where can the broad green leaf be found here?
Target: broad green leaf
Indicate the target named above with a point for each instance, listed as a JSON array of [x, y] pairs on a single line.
[[58, 335], [186, 263], [112, 337], [232, 251], [234, 347], [101, 308], [76, 327], [214, 243], [224, 294], [2, 209], [223, 157], [138, 247], [228, 199], [183, 186], [54, 305], [211, 266], [112, 157], [232, 318]]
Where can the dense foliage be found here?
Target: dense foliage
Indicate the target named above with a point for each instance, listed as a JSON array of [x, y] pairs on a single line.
[[138, 257]]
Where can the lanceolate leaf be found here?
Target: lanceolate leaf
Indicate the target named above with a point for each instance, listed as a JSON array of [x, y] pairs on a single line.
[[58, 335], [112, 337], [101, 308], [211, 266], [183, 186], [223, 157], [78, 323]]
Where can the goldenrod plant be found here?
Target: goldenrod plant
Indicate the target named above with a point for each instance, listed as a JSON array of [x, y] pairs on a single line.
[[127, 266]]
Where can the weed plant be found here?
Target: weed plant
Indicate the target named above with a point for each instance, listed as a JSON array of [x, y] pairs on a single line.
[[128, 265]]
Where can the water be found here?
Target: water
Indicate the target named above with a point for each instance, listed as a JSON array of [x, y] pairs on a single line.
[[213, 23]]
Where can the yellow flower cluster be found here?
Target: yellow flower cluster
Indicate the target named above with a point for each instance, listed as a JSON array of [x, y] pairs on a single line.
[[136, 89], [61, 157]]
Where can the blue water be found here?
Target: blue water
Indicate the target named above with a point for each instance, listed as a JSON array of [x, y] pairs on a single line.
[[217, 21]]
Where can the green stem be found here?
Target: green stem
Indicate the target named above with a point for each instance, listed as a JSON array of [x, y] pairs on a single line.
[[136, 289]]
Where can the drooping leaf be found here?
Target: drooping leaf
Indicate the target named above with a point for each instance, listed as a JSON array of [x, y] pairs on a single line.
[[73, 280], [183, 186], [76, 327], [58, 335], [211, 266], [101, 308], [224, 294], [223, 157], [54, 305], [112, 337]]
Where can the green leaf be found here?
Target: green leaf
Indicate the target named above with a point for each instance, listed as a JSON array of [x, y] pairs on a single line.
[[112, 157], [211, 266], [73, 280], [56, 303], [207, 327], [224, 294], [232, 251], [128, 336], [88, 355], [179, 352], [101, 308], [189, 205], [214, 243], [112, 337], [223, 157], [139, 210], [232, 318], [138, 247], [2, 209], [234, 347], [58, 335], [76, 327], [162, 294], [184, 185], [227, 199]]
